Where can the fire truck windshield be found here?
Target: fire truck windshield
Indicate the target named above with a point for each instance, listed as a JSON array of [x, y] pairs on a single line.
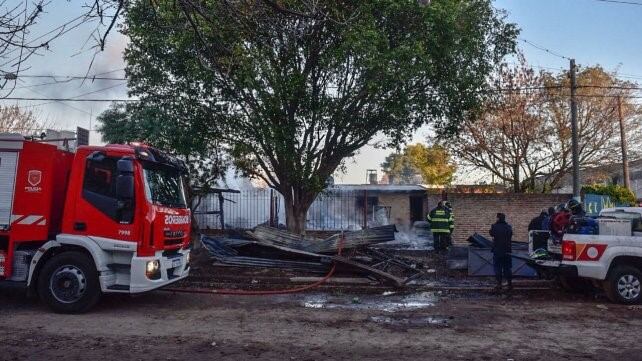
[[164, 186]]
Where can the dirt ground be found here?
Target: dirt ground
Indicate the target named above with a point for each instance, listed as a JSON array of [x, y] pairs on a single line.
[[531, 325]]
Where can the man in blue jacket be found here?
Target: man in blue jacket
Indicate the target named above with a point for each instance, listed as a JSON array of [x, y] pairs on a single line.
[[502, 234]]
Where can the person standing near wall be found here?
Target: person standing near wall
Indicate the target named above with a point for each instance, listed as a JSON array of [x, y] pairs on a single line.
[[502, 234], [546, 223], [537, 222], [441, 221]]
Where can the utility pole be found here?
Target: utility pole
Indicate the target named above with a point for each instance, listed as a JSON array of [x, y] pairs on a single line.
[[625, 157], [574, 134]]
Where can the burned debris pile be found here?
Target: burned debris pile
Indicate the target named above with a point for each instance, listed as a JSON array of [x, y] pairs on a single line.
[[353, 253], [277, 237]]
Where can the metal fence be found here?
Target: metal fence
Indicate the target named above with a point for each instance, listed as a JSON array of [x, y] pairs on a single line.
[[331, 211], [243, 210]]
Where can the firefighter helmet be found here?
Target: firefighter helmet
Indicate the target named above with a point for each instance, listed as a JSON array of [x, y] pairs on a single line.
[[573, 204]]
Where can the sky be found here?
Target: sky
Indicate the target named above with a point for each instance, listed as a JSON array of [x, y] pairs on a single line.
[[604, 32]]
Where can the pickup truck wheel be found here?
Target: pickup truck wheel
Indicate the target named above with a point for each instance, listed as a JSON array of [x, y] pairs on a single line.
[[68, 283], [623, 285]]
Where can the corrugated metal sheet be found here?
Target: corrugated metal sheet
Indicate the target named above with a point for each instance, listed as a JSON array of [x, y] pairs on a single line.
[[8, 165], [278, 237]]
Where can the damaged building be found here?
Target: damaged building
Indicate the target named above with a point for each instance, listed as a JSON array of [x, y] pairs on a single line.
[[340, 207]]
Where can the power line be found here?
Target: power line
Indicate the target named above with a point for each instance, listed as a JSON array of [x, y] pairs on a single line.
[[560, 69], [559, 87], [550, 68], [72, 98], [68, 78], [69, 99], [72, 77], [544, 49], [629, 76], [99, 90], [58, 82], [65, 104], [495, 90], [63, 30], [620, 2], [44, 128], [110, 71], [616, 87]]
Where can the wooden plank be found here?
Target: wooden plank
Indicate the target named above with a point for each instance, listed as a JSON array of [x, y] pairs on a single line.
[[340, 280], [381, 275]]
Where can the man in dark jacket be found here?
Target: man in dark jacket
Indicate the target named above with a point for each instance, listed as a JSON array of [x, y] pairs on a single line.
[[546, 223], [537, 222], [502, 234], [441, 225]]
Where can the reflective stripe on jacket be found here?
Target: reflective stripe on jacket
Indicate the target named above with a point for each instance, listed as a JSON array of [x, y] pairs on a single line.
[[441, 220]]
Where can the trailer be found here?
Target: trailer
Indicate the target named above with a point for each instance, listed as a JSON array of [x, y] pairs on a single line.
[[100, 219]]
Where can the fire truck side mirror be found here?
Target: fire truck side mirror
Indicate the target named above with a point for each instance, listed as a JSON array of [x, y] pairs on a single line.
[[125, 179], [125, 186], [125, 165], [125, 194]]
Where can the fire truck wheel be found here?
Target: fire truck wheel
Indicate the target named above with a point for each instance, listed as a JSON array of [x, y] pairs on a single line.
[[68, 283], [623, 285]]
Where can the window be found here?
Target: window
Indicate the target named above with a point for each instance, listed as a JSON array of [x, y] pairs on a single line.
[[100, 177], [164, 186], [99, 189]]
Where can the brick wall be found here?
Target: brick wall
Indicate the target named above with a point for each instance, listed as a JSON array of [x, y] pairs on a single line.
[[477, 212]]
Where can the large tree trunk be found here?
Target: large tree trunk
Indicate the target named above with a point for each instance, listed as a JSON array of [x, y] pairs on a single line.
[[295, 218], [193, 201], [297, 203], [517, 187]]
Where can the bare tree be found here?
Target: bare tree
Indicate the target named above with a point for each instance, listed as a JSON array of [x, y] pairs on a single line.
[[15, 23], [522, 137], [18, 44], [13, 119], [598, 123]]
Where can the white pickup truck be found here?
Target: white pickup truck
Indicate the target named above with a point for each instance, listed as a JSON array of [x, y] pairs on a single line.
[[611, 259]]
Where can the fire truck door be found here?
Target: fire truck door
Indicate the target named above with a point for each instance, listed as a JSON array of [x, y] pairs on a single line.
[[8, 166], [101, 213]]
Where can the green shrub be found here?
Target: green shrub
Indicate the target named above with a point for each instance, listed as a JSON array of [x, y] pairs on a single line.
[[619, 194]]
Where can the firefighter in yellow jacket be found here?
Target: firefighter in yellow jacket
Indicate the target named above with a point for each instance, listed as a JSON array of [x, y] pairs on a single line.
[[441, 224]]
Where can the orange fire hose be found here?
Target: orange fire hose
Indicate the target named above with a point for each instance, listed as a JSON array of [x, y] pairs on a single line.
[[259, 293]]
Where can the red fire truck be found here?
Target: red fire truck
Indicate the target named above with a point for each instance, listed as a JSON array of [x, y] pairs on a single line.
[[102, 219]]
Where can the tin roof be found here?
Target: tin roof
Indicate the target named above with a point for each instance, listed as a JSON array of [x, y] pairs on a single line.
[[378, 188]]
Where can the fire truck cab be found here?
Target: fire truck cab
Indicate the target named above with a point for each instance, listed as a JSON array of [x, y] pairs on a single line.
[[102, 219]]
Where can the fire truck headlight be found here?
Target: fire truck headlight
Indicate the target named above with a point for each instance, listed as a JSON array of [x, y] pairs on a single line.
[[152, 266], [152, 269]]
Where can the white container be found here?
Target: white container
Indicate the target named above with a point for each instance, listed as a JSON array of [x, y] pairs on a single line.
[[615, 227]]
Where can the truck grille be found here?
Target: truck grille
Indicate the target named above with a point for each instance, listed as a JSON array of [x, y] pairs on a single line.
[[173, 242]]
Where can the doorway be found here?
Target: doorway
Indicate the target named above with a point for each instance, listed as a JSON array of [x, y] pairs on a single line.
[[416, 208]]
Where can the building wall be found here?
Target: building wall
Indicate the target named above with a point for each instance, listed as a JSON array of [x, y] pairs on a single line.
[[608, 174], [475, 213], [399, 209]]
